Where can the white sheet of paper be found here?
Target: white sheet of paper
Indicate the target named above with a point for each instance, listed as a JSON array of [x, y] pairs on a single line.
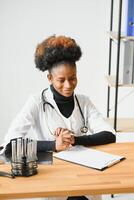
[[89, 157]]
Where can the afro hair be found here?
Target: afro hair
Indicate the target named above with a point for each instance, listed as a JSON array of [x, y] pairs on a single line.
[[54, 50]]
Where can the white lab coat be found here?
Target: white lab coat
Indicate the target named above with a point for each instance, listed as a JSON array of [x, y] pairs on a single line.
[[33, 122]]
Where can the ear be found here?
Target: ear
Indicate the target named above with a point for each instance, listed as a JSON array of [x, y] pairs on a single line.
[[49, 77]]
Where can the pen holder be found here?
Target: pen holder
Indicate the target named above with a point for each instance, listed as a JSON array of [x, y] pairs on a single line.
[[24, 159], [24, 168]]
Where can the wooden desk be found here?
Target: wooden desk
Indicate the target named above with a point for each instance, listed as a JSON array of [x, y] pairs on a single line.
[[67, 179]]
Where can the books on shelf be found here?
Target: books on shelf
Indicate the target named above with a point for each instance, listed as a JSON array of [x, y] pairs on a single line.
[[128, 62], [129, 17]]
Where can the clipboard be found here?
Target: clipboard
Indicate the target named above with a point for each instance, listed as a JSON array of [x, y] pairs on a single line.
[[89, 157]]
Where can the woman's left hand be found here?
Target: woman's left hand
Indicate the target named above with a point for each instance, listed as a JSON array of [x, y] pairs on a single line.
[[67, 135]]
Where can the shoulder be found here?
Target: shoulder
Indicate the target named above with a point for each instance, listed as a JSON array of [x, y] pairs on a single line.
[[36, 98], [33, 101], [85, 102], [83, 98]]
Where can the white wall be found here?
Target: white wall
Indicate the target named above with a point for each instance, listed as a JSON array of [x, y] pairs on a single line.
[[24, 23]]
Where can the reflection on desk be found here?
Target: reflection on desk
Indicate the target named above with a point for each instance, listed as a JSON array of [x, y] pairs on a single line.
[[43, 157]]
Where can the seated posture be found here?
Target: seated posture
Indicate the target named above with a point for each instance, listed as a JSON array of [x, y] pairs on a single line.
[[58, 117]]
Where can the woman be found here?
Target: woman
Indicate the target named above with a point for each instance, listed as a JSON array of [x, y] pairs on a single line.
[[58, 117]]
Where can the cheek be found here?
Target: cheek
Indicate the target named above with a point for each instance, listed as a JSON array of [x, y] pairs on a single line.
[[75, 83], [58, 85]]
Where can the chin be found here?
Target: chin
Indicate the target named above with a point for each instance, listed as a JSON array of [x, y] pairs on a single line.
[[67, 94]]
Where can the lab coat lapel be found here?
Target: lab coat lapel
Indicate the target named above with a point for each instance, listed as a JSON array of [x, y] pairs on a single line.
[[53, 116], [49, 98], [75, 118]]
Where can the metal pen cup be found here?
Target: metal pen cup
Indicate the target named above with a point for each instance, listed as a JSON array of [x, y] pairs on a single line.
[[24, 159]]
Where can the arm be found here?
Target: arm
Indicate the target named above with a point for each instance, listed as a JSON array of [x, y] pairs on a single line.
[[42, 146], [102, 132], [22, 123], [103, 137], [62, 142]]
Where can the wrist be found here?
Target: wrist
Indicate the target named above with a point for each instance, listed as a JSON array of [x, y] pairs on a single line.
[[55, 147]]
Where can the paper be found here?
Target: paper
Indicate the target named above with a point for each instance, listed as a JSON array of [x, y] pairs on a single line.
[[89, 157]]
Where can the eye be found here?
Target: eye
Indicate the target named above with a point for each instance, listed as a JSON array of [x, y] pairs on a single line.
[[61, 80], [72, 79]]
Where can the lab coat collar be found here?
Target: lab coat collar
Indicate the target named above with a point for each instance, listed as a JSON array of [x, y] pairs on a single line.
[[49, 97]]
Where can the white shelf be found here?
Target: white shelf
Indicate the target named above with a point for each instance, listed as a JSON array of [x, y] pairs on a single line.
[[114, 36], [111, 82], [123, 124]]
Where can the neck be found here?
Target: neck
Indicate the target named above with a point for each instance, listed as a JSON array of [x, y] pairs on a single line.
[[65, 104], [60, 98]]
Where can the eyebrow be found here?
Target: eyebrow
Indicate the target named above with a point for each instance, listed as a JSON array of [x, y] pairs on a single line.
[[69, 77]]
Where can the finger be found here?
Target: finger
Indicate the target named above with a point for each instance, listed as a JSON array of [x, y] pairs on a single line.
[[57, 131], [63, 130], [66, 140], [66, 145], [72, 137], [67, 135], [66, 132], [72, 140]]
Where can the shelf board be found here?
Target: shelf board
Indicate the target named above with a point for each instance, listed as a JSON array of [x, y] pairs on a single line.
[[114, 36], [123, 124], [111, 82]]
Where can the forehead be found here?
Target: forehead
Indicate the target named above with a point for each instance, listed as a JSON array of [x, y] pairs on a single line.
[[64, 70]]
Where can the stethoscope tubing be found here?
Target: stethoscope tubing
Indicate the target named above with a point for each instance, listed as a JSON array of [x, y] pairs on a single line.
[[84, 129]]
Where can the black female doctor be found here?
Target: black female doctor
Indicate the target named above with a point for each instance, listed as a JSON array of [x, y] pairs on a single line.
[[57, 117]]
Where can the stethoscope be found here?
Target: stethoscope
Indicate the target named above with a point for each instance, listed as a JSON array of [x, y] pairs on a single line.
[[84, 128]]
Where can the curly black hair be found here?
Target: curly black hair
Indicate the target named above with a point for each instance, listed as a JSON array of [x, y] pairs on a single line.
[[54, 50]]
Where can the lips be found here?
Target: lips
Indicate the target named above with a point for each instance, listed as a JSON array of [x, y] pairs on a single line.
[[68, 91]]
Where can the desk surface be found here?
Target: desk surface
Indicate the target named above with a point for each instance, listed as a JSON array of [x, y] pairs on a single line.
[[67, 179]]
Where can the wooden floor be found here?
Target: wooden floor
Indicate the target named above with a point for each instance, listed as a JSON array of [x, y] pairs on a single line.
[[119, 197], [104, 197]]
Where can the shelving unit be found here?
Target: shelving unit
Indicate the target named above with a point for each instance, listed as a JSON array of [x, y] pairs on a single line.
[[124, 124], [114, 36], [113, 81]]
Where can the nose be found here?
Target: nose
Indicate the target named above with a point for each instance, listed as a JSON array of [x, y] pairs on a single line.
[[67, 84]]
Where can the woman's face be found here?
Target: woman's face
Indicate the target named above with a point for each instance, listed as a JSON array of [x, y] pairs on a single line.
[[64, 79]]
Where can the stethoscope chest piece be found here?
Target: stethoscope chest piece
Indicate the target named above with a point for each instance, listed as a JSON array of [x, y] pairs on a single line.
[[84, 129]]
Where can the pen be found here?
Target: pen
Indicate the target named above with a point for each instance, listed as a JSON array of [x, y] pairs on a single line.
[[14, 155]]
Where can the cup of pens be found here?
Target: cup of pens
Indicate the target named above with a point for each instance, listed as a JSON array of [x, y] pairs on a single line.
[[24, 157]]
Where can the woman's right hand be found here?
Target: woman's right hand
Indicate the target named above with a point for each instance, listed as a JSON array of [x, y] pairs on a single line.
[[63, 139]]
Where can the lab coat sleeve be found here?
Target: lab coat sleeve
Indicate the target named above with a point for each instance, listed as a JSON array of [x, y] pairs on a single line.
[[96, 122], [23, 121]]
